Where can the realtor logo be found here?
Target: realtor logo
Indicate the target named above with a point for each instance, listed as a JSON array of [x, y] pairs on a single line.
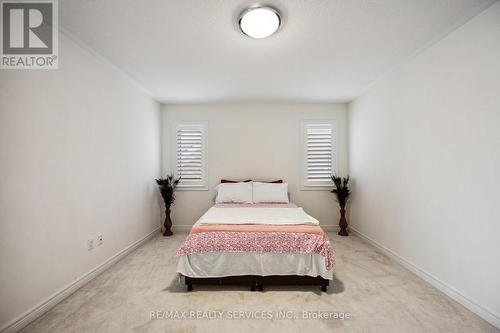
[[29, 34]]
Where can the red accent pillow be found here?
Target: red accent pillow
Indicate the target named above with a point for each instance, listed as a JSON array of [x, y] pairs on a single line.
[[234, 181]]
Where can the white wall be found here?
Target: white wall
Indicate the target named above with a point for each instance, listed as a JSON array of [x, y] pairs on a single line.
[[257, 141], [425, 157], [79, 151]]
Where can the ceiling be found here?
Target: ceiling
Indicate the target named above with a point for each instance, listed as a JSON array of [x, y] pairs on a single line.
[[190, 51]]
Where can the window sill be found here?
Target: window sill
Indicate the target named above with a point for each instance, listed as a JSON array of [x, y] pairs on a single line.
[[192, 188], [317, 188]]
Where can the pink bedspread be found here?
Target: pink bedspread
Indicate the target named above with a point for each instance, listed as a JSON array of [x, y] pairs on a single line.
[[257, 238], [308, 229]]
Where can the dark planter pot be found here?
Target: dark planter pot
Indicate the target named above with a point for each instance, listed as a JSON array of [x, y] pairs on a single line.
[[168, 223], [343, 223]]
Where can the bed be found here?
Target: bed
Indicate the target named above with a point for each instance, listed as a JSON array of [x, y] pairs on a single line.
[[256, 244]]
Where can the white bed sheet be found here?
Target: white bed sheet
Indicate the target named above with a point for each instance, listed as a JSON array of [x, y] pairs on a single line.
[[257, 215], [253, 263]]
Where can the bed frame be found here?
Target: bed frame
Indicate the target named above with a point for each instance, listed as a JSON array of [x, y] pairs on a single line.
[[257, 282]]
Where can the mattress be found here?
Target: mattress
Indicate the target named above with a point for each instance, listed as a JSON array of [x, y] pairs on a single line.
[[260, 239]]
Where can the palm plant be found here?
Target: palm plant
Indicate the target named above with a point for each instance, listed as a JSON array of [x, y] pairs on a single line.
[[341, 190], [167, 189], [342, 194]]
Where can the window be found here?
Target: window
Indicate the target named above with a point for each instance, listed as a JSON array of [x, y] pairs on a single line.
[[319, 152], [191, 155]]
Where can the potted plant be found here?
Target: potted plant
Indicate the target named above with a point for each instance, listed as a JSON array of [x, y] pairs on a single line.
[[342, 193], [167, 188]]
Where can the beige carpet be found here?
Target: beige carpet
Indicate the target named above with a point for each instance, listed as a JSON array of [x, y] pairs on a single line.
[[377, 294]]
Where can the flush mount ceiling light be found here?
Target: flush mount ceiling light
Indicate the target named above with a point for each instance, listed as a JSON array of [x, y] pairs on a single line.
[[259, 22]]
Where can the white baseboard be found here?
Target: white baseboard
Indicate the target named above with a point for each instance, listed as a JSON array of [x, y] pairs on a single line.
[[182, 228], [456, 295], [330, 227], [24, 319]]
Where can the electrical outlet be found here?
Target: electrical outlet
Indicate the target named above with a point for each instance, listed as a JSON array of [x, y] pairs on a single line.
[[90, 244], [100, 240]]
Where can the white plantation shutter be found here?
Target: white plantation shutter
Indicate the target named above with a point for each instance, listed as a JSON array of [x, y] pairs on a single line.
[[319, 153], [190, 154]]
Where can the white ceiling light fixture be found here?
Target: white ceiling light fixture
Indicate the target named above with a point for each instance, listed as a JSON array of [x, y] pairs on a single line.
[[259, 22]]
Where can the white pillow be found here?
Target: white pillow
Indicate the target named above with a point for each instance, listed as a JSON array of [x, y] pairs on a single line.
[[234, 192], [269, 192]]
